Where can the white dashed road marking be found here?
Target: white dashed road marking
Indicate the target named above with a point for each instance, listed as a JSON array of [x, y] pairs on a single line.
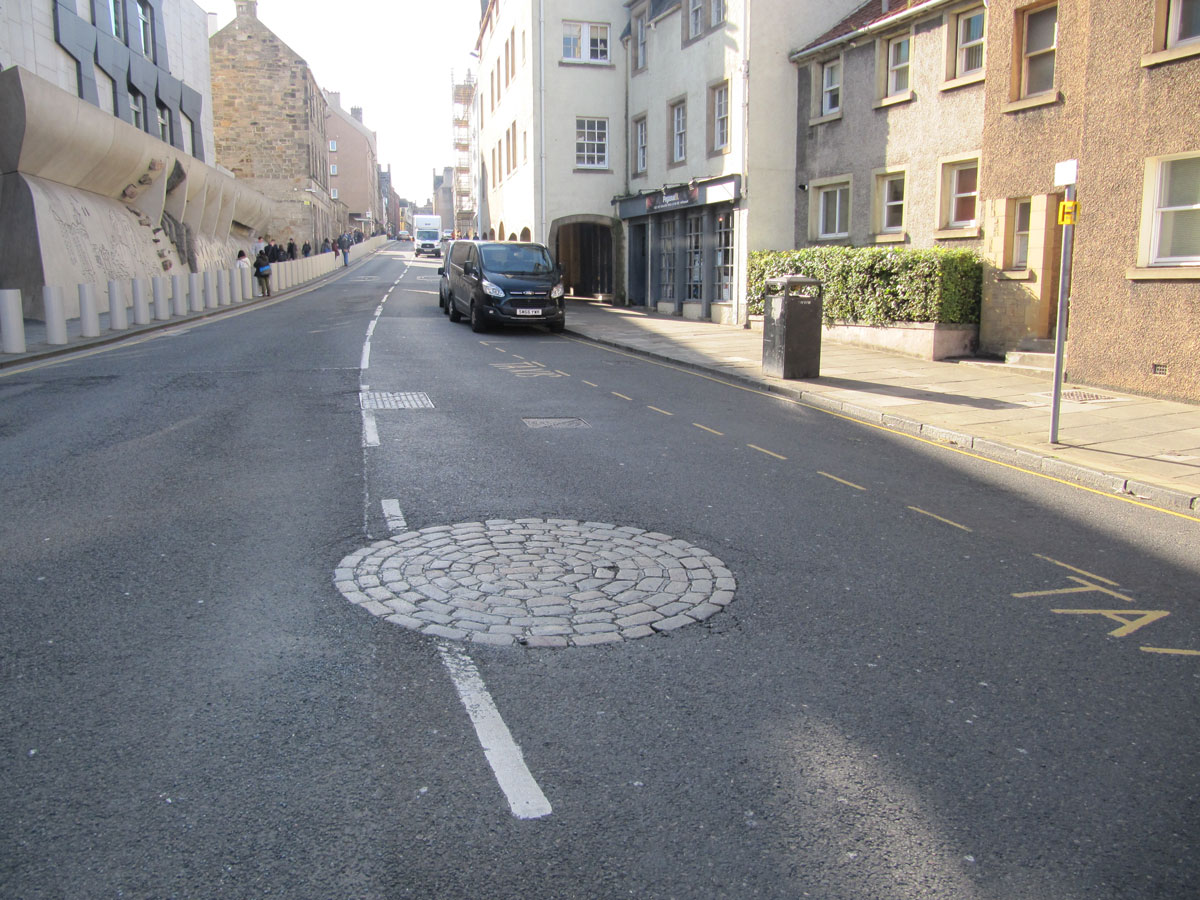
[[395, 518]]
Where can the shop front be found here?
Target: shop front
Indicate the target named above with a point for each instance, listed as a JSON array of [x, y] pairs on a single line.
[[683, 248]]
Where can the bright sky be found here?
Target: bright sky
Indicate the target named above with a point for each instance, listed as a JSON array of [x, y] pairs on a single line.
[[393, 58]]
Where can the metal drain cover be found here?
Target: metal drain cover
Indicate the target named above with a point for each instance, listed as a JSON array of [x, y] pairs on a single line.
[[388, 400], [555, 422]]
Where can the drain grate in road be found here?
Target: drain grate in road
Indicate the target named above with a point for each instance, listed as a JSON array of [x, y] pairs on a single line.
[[555, 422], [390, 400]]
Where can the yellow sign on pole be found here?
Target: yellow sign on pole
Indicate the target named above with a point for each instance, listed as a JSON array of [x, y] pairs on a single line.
[[1067, 210]]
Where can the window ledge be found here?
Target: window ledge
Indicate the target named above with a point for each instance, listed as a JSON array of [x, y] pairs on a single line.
[[957, 234], [586, 63], [821, 120], [951, 84], [895, 99], [719, 151], [1163, 273], [890, 237], [830, 238], [1014, 275], [1180, 51], [1047, 98], [591, 170]]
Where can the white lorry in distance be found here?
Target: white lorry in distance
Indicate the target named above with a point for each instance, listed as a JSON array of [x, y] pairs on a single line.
[[427, 235]]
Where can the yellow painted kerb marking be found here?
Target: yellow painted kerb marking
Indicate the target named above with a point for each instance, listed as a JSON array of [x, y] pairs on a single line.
[[1077, 571], [925, 512], [857, 487], [709, 430], [763, 450], [663, 411], [888, 430]]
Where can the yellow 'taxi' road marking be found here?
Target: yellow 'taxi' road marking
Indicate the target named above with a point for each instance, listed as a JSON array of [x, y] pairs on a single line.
[[939, 518], [768, 452], [1077, 571], [857, 487], [1131, 619]]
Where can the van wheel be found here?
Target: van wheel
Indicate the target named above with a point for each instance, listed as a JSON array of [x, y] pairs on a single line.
[[455, 315], [557, 327], [477, 323]]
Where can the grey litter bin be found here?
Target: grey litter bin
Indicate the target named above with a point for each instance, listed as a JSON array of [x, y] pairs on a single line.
[[792, 327]]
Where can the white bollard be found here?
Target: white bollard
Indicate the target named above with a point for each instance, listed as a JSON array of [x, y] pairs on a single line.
[[12, 322], [178, 296], [222, 288], [56, 315], [195, 292], [89, 312], [141, 306], [118, 318], [210, 290], [235, 286], [282, 268], [247, 284], [158, 286]]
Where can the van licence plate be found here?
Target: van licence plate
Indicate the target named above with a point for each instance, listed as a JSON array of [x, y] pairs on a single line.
[[529, 312]]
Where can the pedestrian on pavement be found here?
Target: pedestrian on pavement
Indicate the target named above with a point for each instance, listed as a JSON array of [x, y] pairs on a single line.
[[306, 250], [242, 261], [262, 271], [325, 247], [291, 249], [259, 245], [345, 245]]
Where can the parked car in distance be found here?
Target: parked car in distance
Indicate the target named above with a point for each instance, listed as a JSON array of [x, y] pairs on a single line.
[[493, 283], [404, 236], [444, 282]]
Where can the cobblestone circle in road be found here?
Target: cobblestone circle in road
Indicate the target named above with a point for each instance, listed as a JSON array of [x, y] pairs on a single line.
[[536, 582]]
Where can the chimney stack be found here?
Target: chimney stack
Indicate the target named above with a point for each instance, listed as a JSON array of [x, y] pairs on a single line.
[[356, 112], [246, 9]]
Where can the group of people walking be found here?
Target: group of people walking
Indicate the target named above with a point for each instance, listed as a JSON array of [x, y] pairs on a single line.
[[267, 251]]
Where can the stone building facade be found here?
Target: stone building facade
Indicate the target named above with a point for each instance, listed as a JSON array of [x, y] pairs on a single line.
[[1114, 85], [269, 125], [353, 167]]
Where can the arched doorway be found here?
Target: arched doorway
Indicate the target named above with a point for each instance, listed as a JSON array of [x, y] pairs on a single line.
[[584, 247], [526, 234]]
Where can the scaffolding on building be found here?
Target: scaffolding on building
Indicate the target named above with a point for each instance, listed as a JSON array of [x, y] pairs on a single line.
[[464, 146]]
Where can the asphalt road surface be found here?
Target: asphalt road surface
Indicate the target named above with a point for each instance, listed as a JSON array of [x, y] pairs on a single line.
[[678, 638]]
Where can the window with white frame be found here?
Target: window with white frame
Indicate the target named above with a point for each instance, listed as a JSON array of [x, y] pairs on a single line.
[[719, 97], [591, 143], [1175, 238], [833, 211], [969, 42], [716, 13], [137, 109], [639, 42], [116, 13], [679, 132], [146, 28], [1022, 210], [1183, 22], [897, 65], [333, 193], [333, 146], [695, 18], [333, 168], [831, 87], [1039, 45], [666, 260], [639, 145], [962, 194], [164, 124], [585, 41], [891, 203]]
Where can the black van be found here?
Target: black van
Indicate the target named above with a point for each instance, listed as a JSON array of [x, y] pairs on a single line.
[[503, 283]]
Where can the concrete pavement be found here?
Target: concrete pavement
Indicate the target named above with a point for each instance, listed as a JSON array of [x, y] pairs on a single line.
[[1140, 448]]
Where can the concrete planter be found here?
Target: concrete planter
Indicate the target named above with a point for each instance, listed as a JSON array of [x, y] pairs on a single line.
[[924, 340], [693, 310], [722, 314]]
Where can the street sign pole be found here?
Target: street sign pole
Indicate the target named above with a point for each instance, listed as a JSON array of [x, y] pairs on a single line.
[[1064, 175]]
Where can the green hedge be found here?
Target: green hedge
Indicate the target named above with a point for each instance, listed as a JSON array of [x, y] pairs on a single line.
[[877, 286]]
